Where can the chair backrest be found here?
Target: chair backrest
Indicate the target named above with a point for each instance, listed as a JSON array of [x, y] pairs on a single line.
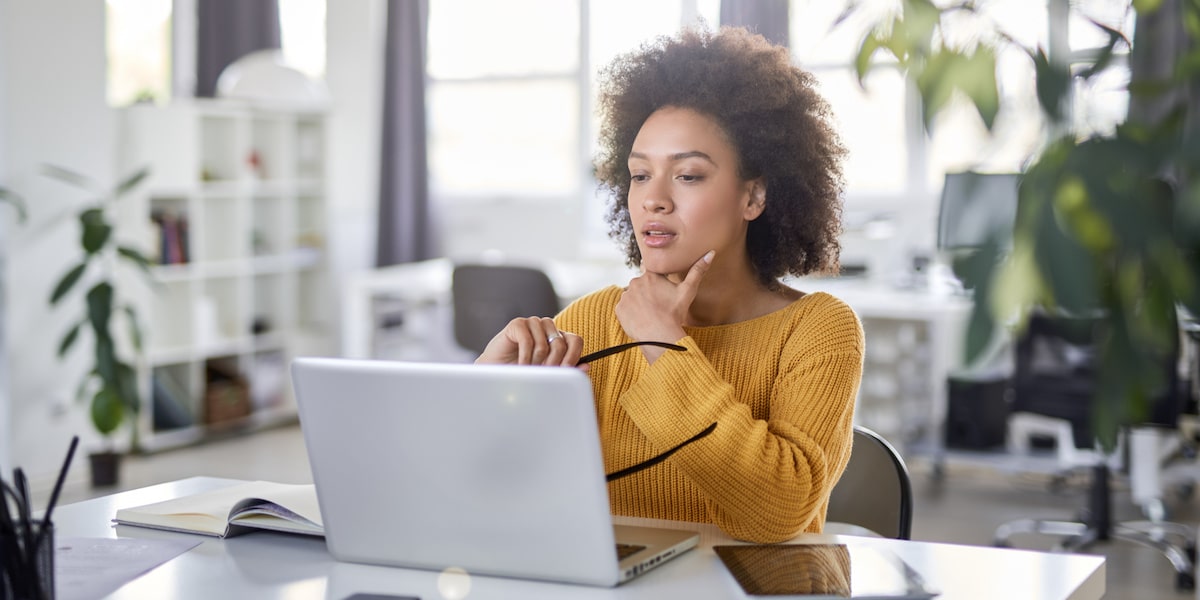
[[874, 491], [487, 297]]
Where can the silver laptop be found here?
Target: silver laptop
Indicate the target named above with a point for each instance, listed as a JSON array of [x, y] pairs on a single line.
[[493, 469]]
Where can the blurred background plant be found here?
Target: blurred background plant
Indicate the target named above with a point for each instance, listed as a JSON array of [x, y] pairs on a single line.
[[110, 384], [1108, 223], [14, 200]]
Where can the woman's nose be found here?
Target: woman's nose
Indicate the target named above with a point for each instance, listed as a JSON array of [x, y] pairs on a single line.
[[657, 197]]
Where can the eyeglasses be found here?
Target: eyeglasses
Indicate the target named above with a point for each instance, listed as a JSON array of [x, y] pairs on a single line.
[[646, 464], [587, 358]]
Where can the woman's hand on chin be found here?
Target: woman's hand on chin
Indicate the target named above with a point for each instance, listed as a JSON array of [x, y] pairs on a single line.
[[653, 308]]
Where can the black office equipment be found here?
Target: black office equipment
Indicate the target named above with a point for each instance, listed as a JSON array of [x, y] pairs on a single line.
[[1056, 375], [977, 412]]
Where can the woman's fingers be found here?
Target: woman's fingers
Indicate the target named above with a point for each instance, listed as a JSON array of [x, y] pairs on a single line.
[[534, 341]]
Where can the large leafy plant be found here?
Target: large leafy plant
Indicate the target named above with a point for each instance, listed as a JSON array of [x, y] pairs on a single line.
[[1108, 225], [110, 385]]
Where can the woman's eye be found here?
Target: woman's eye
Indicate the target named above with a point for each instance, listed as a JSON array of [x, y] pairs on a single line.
[[690, 178], [639, 177]]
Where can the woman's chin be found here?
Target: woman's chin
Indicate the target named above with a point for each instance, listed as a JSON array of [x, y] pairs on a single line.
[[659, 267]]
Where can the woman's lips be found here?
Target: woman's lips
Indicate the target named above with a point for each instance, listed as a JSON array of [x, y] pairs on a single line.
[[657, 238]]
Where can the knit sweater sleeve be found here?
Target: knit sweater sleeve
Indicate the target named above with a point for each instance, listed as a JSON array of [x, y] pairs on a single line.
[[766, 479]]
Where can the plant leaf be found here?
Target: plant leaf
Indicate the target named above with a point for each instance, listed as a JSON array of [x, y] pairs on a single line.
[[100, 305], [136, 257], [977, 78], [68, 281], [68, 176], [978, 273], [1069, 269], [96, 231], [862, 61], [1146, 6], [107, 410], [131, 182], [16, 201], [935, 81], [69, 339], [1053, 84]]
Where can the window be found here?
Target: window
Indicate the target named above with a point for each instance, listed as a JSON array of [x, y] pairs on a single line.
[[139, 45], [139, 50], [510, 97], [893, 159]]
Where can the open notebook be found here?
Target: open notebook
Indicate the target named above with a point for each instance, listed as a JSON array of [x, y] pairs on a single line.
[[494, 469]]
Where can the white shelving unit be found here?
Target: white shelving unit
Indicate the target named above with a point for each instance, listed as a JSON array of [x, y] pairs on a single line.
[[234, 213]]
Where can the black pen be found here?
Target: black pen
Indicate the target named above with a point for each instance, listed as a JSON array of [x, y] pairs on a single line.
[[62, 476]]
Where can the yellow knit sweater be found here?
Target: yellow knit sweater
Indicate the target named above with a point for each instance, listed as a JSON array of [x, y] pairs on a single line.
[[781, 389]]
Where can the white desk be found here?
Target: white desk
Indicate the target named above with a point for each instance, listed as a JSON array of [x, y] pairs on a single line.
[[937, 354], [270, 565]]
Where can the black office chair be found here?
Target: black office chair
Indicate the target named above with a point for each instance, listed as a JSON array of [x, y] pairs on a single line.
[[875, 491], [487, 297], [1055, 376]]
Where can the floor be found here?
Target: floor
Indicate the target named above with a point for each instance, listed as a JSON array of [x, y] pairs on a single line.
[[963, 506]]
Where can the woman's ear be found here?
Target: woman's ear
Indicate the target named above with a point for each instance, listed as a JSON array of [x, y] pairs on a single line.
[[757, 201]]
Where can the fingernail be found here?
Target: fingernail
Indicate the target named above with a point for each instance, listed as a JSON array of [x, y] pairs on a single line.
[[708, 257]]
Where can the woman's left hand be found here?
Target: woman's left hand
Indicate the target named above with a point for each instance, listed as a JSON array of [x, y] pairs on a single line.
[[653, 308]]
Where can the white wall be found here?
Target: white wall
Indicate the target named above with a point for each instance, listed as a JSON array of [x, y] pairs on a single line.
[[52, 73], [5, 450], [354, 68]]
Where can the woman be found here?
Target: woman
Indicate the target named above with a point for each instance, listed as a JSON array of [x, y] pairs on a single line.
[[725, 175]]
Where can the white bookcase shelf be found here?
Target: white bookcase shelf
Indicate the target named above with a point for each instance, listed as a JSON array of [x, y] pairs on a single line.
[[234, 215]]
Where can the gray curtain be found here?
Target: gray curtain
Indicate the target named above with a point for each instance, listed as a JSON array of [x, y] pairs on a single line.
[[405, 226], [766, 17], [227, 30]]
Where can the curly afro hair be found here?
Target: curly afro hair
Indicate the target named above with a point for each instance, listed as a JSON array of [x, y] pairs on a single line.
[[779, 126]]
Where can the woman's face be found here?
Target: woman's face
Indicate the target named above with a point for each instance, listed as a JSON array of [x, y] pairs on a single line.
[[685, 194]]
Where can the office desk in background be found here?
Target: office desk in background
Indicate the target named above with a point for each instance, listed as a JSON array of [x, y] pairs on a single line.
[[422, 291], [914, 335], [266, 565]]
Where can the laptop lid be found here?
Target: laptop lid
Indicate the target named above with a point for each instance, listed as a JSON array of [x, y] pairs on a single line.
[[493, 469]]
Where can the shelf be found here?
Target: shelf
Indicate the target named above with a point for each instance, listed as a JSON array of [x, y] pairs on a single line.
[[235, 211]]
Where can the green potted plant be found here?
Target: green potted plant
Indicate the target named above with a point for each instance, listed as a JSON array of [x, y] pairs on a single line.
[[1108, 223], [110, 386]]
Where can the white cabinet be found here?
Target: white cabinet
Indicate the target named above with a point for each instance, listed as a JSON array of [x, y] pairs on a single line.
[[234, 215]]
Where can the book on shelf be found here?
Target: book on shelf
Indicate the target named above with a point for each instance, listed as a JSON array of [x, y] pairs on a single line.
[[234, 510], [171, 237]]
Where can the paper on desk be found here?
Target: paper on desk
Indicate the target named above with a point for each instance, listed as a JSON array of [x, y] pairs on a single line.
[[86, 568]]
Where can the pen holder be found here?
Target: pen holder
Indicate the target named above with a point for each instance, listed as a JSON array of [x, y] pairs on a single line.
[[23, 577]]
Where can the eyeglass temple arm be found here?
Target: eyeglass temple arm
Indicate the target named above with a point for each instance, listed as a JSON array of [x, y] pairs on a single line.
[[587, 358], [657, 459]]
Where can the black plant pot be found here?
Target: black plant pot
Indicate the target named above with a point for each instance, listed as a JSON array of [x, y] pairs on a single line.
[[106, 468]]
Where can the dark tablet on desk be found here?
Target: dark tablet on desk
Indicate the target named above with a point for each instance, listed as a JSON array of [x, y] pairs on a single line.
[[813, 571]]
